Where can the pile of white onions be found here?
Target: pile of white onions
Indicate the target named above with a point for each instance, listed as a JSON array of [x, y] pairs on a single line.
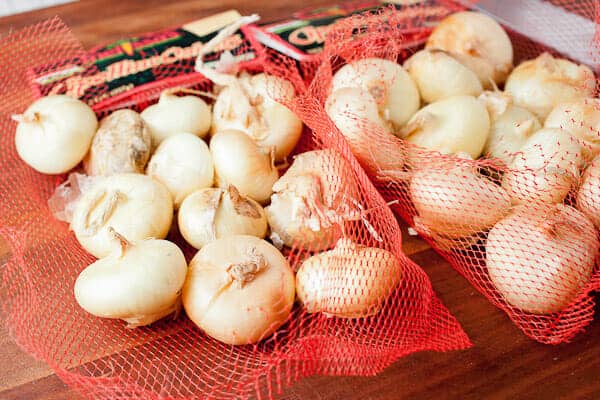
[[143, 168]]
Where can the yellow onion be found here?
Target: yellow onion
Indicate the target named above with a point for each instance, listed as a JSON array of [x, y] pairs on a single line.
[[439, 76], [544, 82], [122, 144], [545, 168], [539, 259], [239, 289], [388, 84], [588, 196], [253, 105], [349, 281], [55, 133], [510, 128], [139, 283], [134, 205], [316, 194], [478, 42], [240, 162], [213, 213], [581, 118]]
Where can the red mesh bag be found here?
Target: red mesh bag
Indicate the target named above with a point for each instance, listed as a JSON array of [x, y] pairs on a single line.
[[173, 358], [518, 225]]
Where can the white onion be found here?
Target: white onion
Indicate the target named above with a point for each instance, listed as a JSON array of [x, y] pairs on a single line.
[[139, 284], [478, 42], [122, 144], [458, 124], [439, 76], [455, 201], [240, 162], [544, 82], [588, 196], [355, 114], [392, 88], [239, 289], [349, 281], [316, 194], [581, 118], [511, 126], [213, 213], [540, 259], [545, 168], [253, 105], [183, 163], [175, 114], [55, 133], [135, 205]]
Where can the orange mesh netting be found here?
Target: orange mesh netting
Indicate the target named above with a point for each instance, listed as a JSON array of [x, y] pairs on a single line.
[[536, 262], [173, 358]]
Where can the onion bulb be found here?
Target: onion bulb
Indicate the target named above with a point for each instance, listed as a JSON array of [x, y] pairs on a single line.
[[175, 114], [458, 124], [511, 126], [213, 213], [355, 113], [581, 118], [455, 201], [122, 144], [588, 196], [183, 163], [439, 76], [55, 133], [140, 284], [478, 42], [252, 104], [540, 259], [135, 205], [544, 82], [545, 168], [387, 83], [239, 289], [349, 281], [315, 194], [240, 162]]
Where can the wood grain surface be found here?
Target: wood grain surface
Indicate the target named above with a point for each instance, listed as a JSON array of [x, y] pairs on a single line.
[[503, 363]]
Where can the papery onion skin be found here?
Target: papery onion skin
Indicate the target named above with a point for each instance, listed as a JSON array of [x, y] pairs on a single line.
[[349, 281], [54, 133], [183, 163], [439, 76], [316, 194], [458, 124], [581, 118], [175, 114], [239, 289], [588, 196], [455, 201], [540, 259], [478, 42], [240, 162], [544, 82], [135, 205], [395, 93], [354, 112], [140, 285], [254, 106], [122, 144], [213, 213], [545, 168], [510, 128]]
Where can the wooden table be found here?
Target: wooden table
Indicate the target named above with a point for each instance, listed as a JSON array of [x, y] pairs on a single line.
[[502, 364]]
